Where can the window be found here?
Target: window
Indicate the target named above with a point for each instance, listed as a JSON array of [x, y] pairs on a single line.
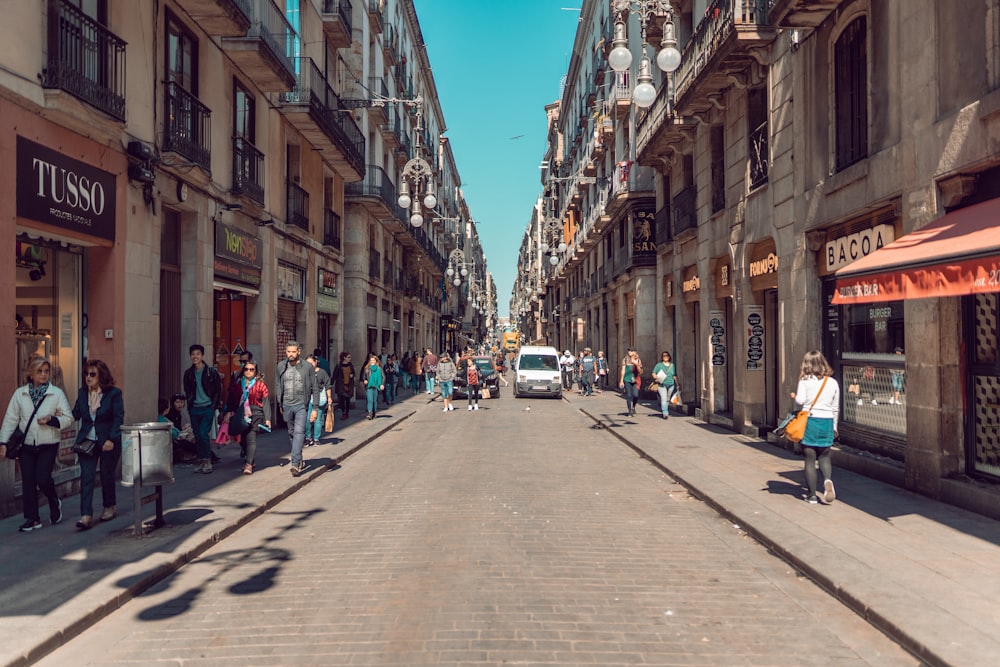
[[248, 162], [851, 94], [758, 131], [244, 120], [718, 168], [182, 57]]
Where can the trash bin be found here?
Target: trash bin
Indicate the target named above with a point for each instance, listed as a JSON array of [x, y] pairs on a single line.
[[147, 454]]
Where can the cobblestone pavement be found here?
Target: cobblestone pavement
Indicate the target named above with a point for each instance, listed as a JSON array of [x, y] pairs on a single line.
[[516, 534]]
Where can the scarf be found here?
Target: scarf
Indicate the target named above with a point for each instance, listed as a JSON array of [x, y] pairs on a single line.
[[246, 397], [37, 393]]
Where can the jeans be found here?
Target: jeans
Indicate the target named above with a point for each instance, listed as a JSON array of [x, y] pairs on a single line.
[[447, 388], [631, 396], [429, 382], [36, 474], [315, 429], [88, 468], [567, 378], [372, 399], [665, 392], [417, 380], [588, 383], [296, 417], [201, 424], [390, 390]]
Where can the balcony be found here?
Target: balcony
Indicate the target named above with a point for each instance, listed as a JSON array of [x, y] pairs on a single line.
[[391, 129], [85, 60], [376, 192], [337, 26], [801, 13], [188, 126], [685, 215], [630, 182], [621, 95], [402, 152], [331, 229], [297, 206], [728, 45], [263, 53], [248, 170], [219, 18], [390, 46], [377, 112], [315, 111], [375, 9]]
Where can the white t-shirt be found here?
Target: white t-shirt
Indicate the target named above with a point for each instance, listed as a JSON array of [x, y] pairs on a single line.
[[827, 406]]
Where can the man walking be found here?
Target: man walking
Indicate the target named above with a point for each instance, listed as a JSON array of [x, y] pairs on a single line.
[[203, 389], [295, 388], [566, 363], [588, 365], [430, 367]]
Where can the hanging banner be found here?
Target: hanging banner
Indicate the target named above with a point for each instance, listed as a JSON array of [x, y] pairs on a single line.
[[755, 338]]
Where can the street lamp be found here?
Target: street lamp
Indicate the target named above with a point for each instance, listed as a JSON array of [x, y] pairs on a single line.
[[417, 185], [668, 58]]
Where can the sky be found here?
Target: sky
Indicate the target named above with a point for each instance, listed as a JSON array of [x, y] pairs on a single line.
[[496, 65]]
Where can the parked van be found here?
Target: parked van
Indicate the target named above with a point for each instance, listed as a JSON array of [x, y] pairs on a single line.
[[536, 372]]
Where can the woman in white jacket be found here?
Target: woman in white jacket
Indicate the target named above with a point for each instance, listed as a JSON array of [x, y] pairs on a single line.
[[41, 441], [823, 402]]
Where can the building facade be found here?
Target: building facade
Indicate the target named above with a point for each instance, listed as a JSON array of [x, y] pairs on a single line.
[[219, 172], [794, 139]]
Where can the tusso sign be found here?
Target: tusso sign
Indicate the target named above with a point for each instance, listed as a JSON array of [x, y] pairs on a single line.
[[58, 190]]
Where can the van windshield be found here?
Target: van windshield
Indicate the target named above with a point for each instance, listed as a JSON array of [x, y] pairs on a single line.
[[538, 362]]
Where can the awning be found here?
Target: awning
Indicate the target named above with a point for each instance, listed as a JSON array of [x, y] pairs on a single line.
[[235, 287], [956, 255]]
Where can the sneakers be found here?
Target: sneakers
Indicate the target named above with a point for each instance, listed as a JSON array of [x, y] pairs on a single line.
[[829, 494], [445, 409], [30, 525], [299, 469], [476, 406], [57, 516], [470, 407], [874, 402], [248, 469], [860, 402], [451, 406], [812, 500], [110, 513], [205, 466]]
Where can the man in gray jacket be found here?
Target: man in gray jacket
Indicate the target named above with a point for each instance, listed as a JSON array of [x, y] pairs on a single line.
[[295, 386]]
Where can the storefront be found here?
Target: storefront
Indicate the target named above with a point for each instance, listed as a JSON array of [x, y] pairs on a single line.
[[238, 264], [328, 310], [290, 286], [762, 313], [691, 292], [720, 328]]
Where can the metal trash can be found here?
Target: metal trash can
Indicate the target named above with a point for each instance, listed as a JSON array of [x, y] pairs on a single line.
[[147, 454]]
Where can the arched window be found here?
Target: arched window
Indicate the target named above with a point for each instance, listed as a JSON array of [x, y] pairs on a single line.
[[851, 94]]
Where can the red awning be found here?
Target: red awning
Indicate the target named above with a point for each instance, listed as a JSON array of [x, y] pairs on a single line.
[[955, 255]]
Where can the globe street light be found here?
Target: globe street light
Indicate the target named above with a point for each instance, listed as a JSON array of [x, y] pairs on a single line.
[[668, 59]]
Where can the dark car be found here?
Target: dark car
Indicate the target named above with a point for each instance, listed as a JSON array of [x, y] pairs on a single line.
[[488, 378]]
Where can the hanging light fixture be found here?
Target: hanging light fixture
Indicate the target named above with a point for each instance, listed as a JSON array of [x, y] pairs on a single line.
[[668, 58]]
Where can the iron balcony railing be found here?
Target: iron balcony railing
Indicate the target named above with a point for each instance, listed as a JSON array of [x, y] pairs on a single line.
[[343, 9], [188, 130], [297, 206], [85, 59], [759, 156], [683, 210], [376, 183], [268, 22], [248, 170], [331, 229], [376, 84], [312, 88]]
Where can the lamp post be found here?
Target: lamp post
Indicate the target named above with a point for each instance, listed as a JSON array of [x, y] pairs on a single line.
[[668, 58], [416, 189]]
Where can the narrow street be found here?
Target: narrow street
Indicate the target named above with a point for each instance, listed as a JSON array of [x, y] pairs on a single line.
[[516, 534]]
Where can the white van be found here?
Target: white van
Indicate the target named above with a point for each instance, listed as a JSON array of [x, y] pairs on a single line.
[[536, 372]]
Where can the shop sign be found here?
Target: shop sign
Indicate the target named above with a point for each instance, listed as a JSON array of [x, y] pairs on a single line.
[[643, 233], [755, 338], [762, 268], [723, 277], [717, 323], [326, 283], [327, 304], [237, 272], [66, 193], [843, 250], [238, 246], [691, 283], [290, 283]]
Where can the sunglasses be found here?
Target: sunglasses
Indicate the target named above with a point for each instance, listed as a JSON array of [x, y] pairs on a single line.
[[92, 374], [250, 368]]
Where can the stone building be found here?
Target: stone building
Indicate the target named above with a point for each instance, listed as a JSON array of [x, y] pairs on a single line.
[[793, 144]]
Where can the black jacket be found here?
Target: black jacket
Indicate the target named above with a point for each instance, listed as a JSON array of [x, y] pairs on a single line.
[[108, 419], [337, 376], [211, 383]]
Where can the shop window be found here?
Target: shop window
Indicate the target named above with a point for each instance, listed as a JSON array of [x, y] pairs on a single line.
[[873, 372]]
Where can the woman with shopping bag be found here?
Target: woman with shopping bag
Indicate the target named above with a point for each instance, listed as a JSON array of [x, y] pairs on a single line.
[[818, 390]]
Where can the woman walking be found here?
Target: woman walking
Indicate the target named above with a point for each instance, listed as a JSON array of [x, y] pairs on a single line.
[[472, 384], [249, 398], [52, 413], [391, 377], [100, 410], [602, 372], [343, 383], [665, 373], [629, 375], [446, 372], [821, 393], [314, 429], [374, 381]]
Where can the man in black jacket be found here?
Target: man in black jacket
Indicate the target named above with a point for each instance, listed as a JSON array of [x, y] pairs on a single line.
[[295, 387], [203, 388]]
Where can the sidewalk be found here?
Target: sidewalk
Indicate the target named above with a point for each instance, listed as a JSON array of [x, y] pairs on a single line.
[[56, 582], [923, 572]]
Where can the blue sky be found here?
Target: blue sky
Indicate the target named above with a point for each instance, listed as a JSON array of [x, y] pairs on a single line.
[[496, 65]]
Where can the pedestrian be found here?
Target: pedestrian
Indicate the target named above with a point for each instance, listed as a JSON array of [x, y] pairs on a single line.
[[629, 381], [41, 411], [315, 429], [588, 367], [343, 384], [404, 367], [100, 409], [250, 399], [418, 372], [203, 389], [665, 374], [295, 387], [430, 370], [446, 372], [896, 376], [391, 369], [374, 381], [321, 361], [820, 391], [472, 380], [173, 412], [566, 363], [602, 372], [245, 357]]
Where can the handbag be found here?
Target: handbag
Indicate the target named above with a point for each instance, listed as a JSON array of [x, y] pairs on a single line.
[[654, 386], [796, 428], [16, 439], [237, 425], [486, 392], [222, 437], [84, 447]]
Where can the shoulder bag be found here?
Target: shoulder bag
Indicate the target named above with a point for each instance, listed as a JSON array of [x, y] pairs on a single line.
[[796, 429], [16, 440]]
